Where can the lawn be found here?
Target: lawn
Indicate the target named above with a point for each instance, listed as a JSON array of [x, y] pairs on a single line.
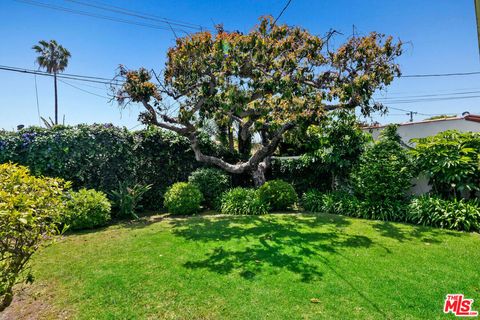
[[280, 266]]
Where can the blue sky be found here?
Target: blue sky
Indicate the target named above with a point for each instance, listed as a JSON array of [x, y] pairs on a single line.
[[440, 37]]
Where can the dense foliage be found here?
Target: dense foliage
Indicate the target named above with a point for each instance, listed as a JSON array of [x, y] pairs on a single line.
[[86, 209], [102, 156], [383, 177], [30, 211], [449, 214], [335, 146], [337, 202], [212, 183], [243, 201], [183, 198], [278, 195], [451, 161]]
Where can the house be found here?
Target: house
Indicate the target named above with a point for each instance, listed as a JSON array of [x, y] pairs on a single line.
[[421, 129]]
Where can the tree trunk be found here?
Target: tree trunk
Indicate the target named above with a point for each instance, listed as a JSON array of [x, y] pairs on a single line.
[[6, 299], [258, 174], [56, 97]]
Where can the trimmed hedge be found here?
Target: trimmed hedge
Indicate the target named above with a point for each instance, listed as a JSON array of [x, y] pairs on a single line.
[[102, 156]]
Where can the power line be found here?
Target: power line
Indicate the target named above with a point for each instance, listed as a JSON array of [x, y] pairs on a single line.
[[281, 12], [83, 90], [94, 15], [67, 76], [430, 100], [455, 74], [137, 14]]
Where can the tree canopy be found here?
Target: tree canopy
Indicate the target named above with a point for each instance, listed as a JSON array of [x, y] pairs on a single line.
[[262, 84]]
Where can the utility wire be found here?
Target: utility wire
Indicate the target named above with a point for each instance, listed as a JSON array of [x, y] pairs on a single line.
[[281, 12], [137, 14], [36, 96], [95, 15], [64, 76], [83, 90], [455, 74]]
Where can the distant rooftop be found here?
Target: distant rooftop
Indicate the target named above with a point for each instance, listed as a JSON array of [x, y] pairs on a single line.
[[465, 116]]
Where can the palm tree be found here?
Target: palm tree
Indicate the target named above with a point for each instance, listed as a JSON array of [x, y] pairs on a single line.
[[54, 58]]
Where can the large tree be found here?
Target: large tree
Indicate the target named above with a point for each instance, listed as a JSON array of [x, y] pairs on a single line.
[[54, 58], [258, 86]]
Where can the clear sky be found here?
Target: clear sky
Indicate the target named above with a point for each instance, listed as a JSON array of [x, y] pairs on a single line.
[[440, 37]]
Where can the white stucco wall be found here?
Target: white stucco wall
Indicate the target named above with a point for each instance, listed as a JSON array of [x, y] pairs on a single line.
[[429, 128], [424, 129]]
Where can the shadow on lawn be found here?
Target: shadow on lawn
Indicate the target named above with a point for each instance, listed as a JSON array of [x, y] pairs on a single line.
[[401, 233], [283, 243]]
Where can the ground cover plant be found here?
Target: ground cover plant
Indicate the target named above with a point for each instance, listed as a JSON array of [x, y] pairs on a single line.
[[253, 267]]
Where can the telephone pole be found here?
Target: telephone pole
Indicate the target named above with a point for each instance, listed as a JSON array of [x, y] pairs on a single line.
[[411, 113]]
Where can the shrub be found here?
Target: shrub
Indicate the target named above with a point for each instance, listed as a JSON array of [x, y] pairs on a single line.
[[243, 201], [100, 156], [277, 194], [126, 199], [212, 183], [337, 202], [449, 214], [450, 160], [30, 211], [312, 201], [383, 178], [183, 198], [86, 209]]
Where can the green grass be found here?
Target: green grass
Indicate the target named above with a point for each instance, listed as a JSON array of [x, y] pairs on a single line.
[[258, 268]]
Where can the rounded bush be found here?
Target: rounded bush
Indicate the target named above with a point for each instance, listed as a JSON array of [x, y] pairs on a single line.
[[278, 194], [87, 209], [242, 201], [212, 183], [183, 198]]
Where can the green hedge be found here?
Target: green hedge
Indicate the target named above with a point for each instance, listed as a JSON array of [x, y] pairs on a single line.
[[101, 156]]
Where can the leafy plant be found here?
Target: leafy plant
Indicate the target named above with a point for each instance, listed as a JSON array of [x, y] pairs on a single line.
[[449, 214], [212, 183], [312, 201], [337, 202], [385, 170], [30, 211], [336, 146], [86, 209], [243, 201], [277, 194], [126, 199], [451, 160], [183, 198]]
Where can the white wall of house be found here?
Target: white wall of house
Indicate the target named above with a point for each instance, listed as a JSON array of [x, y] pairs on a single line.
[[427, 128], [422, 129]]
